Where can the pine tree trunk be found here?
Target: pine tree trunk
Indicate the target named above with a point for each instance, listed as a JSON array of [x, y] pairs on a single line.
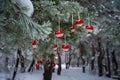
[[93, 57], [59, 66], [6, 64], [103, 64], [31, 65], [114, 62], [16, 65], [106, 69], [92, 64], [22, 62], [81, 47], [48, 67], [100, 58], [68, 63], [78, 59], [70, 58], [108, 61], [83, 61], [100, 69]]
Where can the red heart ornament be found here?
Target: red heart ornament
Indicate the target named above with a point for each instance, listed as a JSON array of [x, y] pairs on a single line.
[[48, 61], [65, 47], [34, 43], [58, 53], [89, 29], [55, 47], [54, 64], [59, 34], [72, 28], [39, 62], [79, 22], [37, 66]]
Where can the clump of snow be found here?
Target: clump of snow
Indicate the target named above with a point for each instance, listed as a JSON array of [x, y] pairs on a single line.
[[27, 6], [73, 73]]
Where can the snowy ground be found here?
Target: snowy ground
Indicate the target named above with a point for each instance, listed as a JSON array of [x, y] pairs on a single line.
[[66, 74]]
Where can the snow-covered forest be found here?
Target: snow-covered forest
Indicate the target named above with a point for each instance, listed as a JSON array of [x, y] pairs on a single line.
[[59, 39]]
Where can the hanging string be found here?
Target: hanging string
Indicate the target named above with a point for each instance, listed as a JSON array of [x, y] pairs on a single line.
[[59, 24], [55, 41], [34, 35], [53, 38], [88, 20], [65, 39], [72, 19], [78, 15]]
